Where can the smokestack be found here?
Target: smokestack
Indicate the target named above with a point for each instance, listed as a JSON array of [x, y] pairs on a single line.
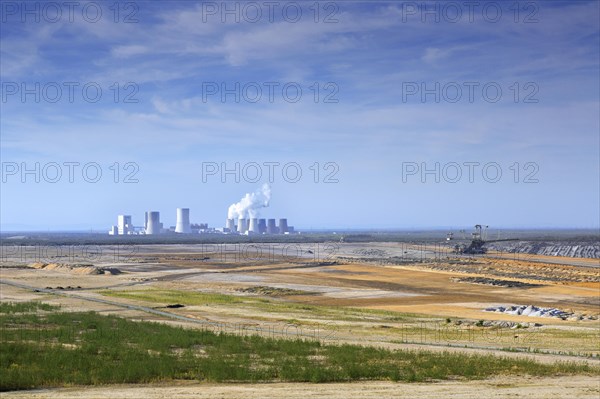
[[242, 226], [145, 220], [283, 227], [253, 228], [230, 225], [183, 221], [262, 226], [271, 227], [153, 223]]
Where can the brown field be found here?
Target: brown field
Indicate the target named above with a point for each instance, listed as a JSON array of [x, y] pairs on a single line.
[[341, 297]]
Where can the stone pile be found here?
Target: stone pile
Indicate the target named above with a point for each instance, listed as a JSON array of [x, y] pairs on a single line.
[[532, 311]]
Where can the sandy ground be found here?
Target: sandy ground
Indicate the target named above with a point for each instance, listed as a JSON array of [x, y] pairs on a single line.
[[508, 387], [427, 289]]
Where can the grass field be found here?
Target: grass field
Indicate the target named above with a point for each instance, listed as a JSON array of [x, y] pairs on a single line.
[[42, 347]]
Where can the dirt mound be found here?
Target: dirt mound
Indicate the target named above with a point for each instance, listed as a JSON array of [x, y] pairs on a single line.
[[494, 282], [76, 269]]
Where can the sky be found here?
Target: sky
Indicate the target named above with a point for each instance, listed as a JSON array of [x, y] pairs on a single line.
[[359, 114]]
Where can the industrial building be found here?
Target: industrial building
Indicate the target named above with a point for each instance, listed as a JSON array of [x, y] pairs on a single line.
[[242, 225], [153, 225], [254, 226], [123, 227], [124, 224]]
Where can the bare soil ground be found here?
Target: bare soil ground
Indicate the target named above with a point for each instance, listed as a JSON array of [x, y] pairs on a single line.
[[346, 296], [500, 387]]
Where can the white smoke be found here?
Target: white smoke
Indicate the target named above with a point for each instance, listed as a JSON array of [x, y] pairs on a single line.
[[249, 205]]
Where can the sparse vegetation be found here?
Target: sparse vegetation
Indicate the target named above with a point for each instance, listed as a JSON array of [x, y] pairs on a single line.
[[190, 298], [25, 307], [273, 291], [56, 349], [403, 327], [184, 297]]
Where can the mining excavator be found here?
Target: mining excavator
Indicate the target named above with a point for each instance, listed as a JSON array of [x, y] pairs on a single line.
[[478, 240]]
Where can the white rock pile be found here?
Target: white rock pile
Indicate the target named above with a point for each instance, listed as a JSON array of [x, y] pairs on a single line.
[[532, 311]]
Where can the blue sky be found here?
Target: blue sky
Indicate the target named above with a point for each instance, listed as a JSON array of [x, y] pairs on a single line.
[[365, 58]]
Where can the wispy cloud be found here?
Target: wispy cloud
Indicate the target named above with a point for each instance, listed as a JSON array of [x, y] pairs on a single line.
[[369, 54]]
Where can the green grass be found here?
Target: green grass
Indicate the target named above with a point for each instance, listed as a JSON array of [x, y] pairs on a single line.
[[57, 349], [25, 307]]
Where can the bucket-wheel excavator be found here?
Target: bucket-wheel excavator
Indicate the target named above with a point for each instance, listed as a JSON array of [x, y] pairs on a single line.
[[478, 240]]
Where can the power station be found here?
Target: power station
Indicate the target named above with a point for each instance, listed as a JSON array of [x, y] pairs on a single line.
[[153, 225], [254, 226], [242, 218]]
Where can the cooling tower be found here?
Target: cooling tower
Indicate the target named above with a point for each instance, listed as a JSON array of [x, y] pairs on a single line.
[[262, 226], [230, 224], [271, 227], [253, 227], [242, 226], [183, 221], [153, 226], [283, 227]]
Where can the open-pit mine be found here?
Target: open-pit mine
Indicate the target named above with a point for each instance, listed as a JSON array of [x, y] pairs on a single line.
[[397, 296]]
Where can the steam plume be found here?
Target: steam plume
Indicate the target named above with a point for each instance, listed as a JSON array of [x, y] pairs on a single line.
[[249, 205]]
